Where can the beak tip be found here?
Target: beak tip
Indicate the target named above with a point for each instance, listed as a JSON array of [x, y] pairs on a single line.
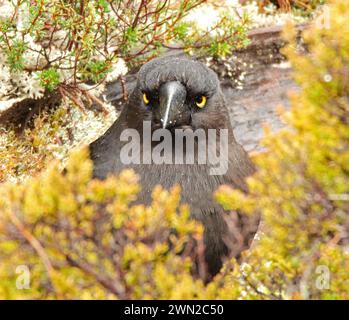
[[163, 124]]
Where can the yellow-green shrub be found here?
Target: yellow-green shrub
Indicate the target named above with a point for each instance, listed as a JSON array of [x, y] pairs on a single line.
[[302, 184], [82, 238]]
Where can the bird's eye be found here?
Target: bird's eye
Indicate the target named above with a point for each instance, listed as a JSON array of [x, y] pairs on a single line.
[[145, 98], [201, 101]]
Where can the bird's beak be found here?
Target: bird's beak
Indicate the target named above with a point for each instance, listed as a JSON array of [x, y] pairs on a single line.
[[172, 111]]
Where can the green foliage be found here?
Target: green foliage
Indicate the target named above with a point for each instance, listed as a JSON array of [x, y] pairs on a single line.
[[181, 30], [302, 184], [67, 43], [49, 79], [15, 55], [96, 71]]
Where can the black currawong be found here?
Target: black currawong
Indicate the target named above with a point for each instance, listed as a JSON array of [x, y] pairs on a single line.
[[167, 92]]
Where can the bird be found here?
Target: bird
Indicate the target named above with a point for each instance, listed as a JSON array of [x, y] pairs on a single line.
[[177, 92]]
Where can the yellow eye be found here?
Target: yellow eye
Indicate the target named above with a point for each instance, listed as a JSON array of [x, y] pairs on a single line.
[[201, 101], [145, 98]]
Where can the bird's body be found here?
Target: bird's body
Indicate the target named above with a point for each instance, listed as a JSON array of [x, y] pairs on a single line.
[[182, 80]]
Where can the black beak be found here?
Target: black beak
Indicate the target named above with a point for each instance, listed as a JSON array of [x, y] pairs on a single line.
[[172, 110]]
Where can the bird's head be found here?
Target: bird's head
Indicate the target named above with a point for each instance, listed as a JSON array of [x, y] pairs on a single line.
[[176, 92]]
